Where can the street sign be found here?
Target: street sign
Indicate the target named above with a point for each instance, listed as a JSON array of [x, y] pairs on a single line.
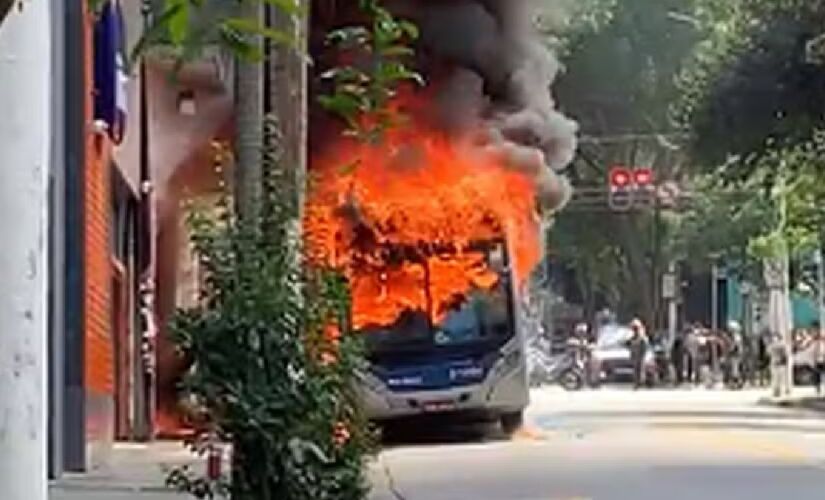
[[669, 194], [669, 286]]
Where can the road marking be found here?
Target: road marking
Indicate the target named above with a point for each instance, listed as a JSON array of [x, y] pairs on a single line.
[[744, 442], [749, 442]]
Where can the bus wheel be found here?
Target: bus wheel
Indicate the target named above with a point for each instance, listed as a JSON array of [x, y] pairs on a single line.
[[511, 422]]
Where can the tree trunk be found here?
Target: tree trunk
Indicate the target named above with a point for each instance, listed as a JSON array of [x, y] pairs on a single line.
[[249, 131], [288, 89], [638, 286], [248, 173], [25, 135]]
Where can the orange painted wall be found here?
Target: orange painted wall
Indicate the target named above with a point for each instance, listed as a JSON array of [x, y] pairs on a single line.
[[98, 348], [99, 356]]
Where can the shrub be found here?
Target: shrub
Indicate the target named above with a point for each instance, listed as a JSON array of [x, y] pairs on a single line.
[[273, 363]]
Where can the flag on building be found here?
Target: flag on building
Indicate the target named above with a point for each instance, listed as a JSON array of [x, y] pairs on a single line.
[[110, 78]]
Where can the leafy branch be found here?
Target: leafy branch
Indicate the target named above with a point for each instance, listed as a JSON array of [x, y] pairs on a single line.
[[363, 89], [190, 27]]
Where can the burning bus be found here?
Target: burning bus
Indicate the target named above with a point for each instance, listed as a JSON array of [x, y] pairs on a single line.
[[436, 237], [437, 226], [464, 354]]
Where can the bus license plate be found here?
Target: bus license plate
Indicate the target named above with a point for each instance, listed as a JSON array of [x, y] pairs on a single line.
[[438, 406]]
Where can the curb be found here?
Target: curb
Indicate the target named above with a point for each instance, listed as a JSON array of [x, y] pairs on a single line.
[[92, 483], [812, 404], [108, 488]]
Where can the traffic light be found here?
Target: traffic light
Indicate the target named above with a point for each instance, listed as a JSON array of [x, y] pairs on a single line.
[[645, 188], [620, 196]]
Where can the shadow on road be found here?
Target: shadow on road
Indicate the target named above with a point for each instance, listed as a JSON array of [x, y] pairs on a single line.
[[697, 414], [437, 431]]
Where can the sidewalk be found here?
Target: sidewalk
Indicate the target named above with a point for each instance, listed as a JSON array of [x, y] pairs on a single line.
[[134, 472], [802, 399], [138, 472]]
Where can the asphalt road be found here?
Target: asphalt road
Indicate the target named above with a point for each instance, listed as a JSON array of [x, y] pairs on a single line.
[[618, 444]]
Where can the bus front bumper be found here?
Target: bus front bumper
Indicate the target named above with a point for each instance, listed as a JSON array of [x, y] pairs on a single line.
[[500, 393]]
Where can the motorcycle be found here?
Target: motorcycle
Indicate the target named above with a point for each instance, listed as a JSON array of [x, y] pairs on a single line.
[[567, 369]]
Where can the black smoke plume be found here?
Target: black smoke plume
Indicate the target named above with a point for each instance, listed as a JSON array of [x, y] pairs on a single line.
[[493, 76]]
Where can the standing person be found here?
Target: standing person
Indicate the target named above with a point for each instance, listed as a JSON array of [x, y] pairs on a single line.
[[586, 340], [779, 359], [692, 353], [639, 345], [735, 355], [819, 360], [678, 356], [703, 356], [763, 359]]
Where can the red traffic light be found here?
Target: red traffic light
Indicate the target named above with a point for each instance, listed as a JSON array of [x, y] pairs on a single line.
[[620, 177], [643, 176]]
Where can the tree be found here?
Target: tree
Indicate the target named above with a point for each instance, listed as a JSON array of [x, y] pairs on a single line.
[[273, 361], [752, 86], [249, 114], [274, 364], [621, 59], [721, 222], [752, 100]]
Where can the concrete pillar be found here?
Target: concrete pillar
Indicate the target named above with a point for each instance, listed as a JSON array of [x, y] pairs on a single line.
[[25, 135]]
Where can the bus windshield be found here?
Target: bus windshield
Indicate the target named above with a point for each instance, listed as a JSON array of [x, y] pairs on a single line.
[[475, 318]]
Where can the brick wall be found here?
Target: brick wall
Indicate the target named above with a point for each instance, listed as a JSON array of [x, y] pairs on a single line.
[[99, 356]]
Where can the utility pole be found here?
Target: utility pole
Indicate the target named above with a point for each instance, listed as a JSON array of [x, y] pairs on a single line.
[[786, 322], [820, 285], [25, 136], [669, 293], [714, 295]]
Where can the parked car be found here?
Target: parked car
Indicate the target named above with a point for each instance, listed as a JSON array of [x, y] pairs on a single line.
[[611, 354]]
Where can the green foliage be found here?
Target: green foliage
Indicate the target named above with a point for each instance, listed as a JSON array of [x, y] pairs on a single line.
[[362, 90], [267, 374], [752, 86], [762, 215], [596, 256], [567, 23], [620, 77], [797, 194], [621, 59], [189, 27], [721, 223]]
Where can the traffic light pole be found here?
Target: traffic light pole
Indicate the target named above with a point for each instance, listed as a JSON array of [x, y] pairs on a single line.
[[654, 265]]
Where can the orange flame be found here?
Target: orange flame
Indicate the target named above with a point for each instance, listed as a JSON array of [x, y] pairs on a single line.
[[428, 197]]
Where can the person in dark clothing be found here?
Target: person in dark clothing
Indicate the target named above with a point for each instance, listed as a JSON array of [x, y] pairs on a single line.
[[819, 360], [762, 360], [678, 356], [639, 345]]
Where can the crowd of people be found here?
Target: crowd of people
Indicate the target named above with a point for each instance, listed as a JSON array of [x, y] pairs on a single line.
[[702, 356]]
